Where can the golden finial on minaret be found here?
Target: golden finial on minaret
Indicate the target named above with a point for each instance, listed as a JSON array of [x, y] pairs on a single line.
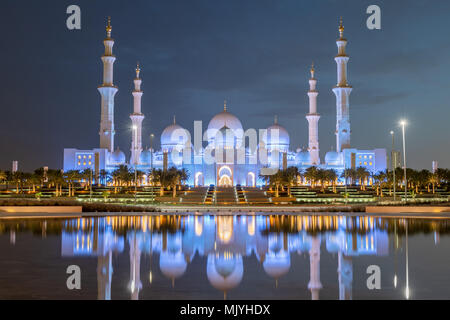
[[275, 119], [138, 70], [109, 28], [225, 105], [312, 70], [174, 119], [341, 28]]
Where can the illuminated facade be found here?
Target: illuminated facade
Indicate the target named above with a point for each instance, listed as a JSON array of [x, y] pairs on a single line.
[[223, 157]]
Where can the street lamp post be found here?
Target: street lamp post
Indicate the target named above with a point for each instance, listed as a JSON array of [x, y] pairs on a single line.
[[394, 162], [403, 124]]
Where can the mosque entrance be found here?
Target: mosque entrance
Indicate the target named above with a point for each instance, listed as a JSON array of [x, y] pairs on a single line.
[[225, 176], [225, 181]]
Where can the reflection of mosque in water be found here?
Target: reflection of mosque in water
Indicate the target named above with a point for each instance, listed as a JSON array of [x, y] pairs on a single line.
[[224, 240]]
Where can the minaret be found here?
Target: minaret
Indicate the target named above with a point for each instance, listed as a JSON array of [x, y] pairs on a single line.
[[342, 92], [107, 91], [314, 268], [136, 119], [313, 120]]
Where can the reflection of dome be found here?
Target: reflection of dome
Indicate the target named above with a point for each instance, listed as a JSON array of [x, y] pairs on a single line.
[[332, 157], [225, 119], [303, 157], [117, 157], [276, 265], [145, 157], [174, 136], [172, 265], [332, 244], [225, 272], [276, 137]]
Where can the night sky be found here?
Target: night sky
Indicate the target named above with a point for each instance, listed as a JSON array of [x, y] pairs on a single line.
[[196, 53]]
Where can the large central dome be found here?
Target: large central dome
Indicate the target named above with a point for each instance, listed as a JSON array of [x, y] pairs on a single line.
[[227, 120]]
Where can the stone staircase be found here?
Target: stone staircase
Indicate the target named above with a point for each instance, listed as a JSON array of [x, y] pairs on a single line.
[[197, 195], [254, 195], [226, 196]]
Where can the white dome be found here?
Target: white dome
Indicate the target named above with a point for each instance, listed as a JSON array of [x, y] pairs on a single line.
[[172, 265], [145, 157], [117, 157], [227, 120], [303, 157], [332, 158], [225, 273], [277, 265], [276, 137], [174, 136]]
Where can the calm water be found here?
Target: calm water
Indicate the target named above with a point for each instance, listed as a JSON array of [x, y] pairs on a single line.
[[233, 257]]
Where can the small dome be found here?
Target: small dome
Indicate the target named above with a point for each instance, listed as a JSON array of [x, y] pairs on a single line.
[[174, 136], [145, 157], [225, 119], [117, 157], [303, 157], [225, 273], [172, 265], [277, 265], [276, 137], [332, 158]]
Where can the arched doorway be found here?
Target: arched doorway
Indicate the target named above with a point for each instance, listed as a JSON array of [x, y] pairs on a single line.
[[199, 179], [251, 181], [225, 181], [225, 177]]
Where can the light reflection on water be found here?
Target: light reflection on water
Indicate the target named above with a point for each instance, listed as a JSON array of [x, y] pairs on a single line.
[[203, 253]]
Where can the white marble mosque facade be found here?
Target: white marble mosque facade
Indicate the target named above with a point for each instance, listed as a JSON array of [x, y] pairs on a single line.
[[225, 132]]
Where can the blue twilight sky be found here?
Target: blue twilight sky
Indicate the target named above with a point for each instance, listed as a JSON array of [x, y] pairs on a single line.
[[196, 53]]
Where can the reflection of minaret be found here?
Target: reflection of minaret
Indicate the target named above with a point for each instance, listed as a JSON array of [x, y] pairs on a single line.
[[345, 272], [136, 118], [12, 237], [313, 120], [135, 268], [314, 268], [342, 92], [107, 91], [104, 276]]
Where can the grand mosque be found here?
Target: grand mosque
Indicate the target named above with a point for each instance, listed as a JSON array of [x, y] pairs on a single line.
[[226, 159]]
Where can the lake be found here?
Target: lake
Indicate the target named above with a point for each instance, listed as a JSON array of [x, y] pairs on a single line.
[[225, 257]]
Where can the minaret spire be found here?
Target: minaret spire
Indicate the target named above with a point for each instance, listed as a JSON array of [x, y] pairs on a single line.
[[136, 119], [107, 91], [225, 105], [342, 92], [313, 120]]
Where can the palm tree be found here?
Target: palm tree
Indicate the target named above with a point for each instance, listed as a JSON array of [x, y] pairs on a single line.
[[3, 176], [433, 180], [331, 176], [289, 177], [276, 180], [160, 177], [322, 177], [311, 175], [55, 178], [380, 179], [70, 177], [184, 176], [362, 175], [104, 176], [423, 180], [349, 173]]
